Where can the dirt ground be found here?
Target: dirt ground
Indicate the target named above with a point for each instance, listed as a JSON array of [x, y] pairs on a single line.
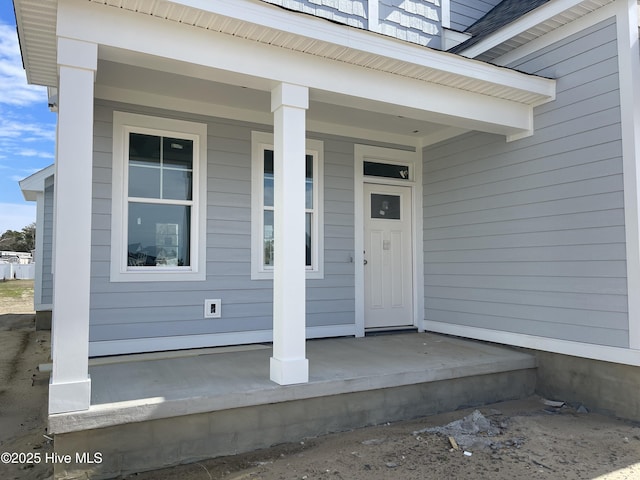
[[23, 389], [523, 439]]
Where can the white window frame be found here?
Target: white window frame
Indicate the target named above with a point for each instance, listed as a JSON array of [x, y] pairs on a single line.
[[123, 124], [261, 141]]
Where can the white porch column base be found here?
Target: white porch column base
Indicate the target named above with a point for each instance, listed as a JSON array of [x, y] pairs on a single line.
[[289, 371], [289, 364], [69, 396], [70, 387]]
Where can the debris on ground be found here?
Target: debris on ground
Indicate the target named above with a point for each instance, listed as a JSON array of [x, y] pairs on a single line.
[[473, 431]]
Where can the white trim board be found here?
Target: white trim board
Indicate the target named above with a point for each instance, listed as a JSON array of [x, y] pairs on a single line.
[[184, 342], [414, 158], [259, 142], [629, 75], [557, 35], [521, 25], [163, 49], [585, 350], [123, 123], [625, 13]]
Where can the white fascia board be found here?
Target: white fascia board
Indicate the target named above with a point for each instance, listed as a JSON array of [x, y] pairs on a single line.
[[524, 23], [34, 184], [557, 35], [426, 101], [266, 15]]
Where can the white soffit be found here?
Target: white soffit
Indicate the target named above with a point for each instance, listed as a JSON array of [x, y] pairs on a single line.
[[534, 24], [264, 23], [36, 21]]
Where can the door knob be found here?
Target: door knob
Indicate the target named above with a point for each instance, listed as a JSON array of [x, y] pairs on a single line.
[[365, 261]]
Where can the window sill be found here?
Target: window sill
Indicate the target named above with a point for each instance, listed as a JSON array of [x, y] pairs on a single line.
[[160, 275]]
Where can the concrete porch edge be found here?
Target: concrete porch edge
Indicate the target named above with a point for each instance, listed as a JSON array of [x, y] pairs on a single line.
[[338, 366]]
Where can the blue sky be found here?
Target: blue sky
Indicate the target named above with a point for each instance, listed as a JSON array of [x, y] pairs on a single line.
[[27, 128]]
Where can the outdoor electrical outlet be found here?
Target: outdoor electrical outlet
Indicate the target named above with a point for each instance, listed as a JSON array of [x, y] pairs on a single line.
[[213, 308]]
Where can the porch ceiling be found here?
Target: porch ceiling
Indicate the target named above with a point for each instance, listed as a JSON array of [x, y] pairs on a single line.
[[246, 100], [424, 78]]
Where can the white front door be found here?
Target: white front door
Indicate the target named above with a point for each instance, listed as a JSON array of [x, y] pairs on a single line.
[[388, 269]]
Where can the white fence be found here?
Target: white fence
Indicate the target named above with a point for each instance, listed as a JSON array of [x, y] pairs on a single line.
[[10, 271]]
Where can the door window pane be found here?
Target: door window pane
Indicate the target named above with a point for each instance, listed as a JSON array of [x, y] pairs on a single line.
[[385, 206]]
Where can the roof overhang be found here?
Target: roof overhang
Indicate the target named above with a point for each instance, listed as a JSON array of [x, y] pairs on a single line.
[[424, 80], [34, 184], [528, 27]]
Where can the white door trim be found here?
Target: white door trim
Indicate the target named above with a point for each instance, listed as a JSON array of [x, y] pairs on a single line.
[[414, 158]]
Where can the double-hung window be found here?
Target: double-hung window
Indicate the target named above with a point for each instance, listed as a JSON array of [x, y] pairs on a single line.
[[262, 190], [159, 189]]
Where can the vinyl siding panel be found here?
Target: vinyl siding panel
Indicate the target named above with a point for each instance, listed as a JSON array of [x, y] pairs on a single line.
[[124, 310], [349, 12], [46, 297], [416, 21], [464, 13], [528, 237]]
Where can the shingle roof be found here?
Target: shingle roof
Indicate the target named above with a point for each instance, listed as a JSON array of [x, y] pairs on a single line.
[[502, 14]]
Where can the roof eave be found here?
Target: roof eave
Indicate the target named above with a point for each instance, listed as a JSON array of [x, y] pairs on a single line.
[[529, 23]]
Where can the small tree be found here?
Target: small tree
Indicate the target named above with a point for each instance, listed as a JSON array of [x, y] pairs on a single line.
[[23, 241]]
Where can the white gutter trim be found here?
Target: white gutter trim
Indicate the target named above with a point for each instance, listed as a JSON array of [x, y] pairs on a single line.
[[270, 16], [524, 23]]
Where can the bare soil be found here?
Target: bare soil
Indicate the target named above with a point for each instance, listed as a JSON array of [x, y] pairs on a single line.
[[23, 389], [526, 439], [535, 442]]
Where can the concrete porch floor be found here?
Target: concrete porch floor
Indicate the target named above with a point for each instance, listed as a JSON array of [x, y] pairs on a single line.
[[225, 378], [153, 413]]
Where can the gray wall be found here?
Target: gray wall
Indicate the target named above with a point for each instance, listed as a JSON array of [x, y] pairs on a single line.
[[47, 244], [528, 236], [466, 13], [144, 309]]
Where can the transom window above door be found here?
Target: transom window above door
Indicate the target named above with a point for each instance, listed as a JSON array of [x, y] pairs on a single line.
[[397, 171]]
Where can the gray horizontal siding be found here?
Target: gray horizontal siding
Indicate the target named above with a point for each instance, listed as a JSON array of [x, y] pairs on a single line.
[[46, 297], [528, 237], [123, 310], [465, 13]]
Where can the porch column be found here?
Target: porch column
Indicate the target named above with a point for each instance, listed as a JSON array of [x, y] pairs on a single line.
[[70, 386], [289, 364]]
